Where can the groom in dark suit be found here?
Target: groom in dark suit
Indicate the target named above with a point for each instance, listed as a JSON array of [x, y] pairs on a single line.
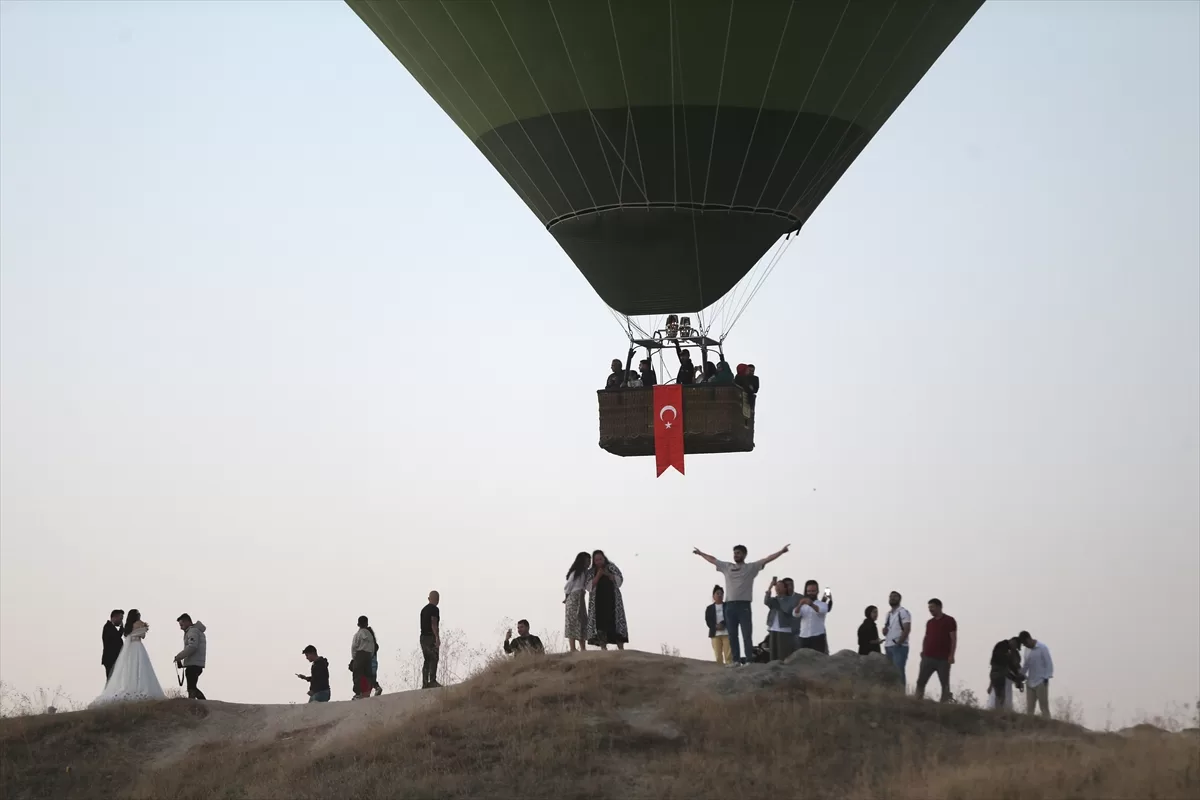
[[112, 641]]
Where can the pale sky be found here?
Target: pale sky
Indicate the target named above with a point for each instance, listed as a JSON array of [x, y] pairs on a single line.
[[279, 348]]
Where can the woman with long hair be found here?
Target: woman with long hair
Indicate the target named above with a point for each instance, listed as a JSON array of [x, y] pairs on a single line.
[[606, 609], [576, 609], [133, 676]]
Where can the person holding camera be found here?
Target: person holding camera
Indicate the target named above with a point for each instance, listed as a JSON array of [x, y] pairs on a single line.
[[525, 643], [811, 613], [781, 624]]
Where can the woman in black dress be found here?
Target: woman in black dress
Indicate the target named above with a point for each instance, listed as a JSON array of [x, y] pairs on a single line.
[[868, 632], [606, 609]]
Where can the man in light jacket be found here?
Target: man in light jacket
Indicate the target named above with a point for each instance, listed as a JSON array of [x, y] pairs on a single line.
[[1038, 669], [781, 625], [192, 657], [362, 650]]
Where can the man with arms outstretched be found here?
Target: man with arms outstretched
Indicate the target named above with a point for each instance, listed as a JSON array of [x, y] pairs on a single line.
[[739, 594]]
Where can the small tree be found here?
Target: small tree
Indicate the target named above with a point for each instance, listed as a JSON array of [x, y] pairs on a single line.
[[668, 650]]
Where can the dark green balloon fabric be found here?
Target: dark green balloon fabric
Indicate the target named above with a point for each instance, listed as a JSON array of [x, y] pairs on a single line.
[[667, 144]]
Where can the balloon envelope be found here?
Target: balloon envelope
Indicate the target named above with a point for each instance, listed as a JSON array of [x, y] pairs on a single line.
[[667, 144]]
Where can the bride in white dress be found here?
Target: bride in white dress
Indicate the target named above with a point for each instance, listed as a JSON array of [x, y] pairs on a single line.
[[133, 677]]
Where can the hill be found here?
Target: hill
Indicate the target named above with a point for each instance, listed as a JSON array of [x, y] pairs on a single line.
[[600, 725]]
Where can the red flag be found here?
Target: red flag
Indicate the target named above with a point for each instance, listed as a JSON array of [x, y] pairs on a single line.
[[668, 427]]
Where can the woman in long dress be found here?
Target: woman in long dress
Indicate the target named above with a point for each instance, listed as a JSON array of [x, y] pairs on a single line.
[[133, 677], [606, 609], [576, 625]]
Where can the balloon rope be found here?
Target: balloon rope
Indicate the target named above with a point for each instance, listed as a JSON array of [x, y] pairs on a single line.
[[836, 104], [800, 110], [475, 137]]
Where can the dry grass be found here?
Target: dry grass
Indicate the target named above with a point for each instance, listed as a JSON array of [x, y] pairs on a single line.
[[612, 725]]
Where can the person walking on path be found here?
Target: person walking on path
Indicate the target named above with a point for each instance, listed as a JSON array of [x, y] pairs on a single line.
[[937, 651], [193, 656], [714, 617], [318, 681], [739, 595], [896, 630], [362, 650], [1038, 669], [431, 641]]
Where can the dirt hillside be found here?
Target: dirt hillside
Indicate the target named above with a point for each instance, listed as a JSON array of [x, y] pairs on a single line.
[[600, 725]]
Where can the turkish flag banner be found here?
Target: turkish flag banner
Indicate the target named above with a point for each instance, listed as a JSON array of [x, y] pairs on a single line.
[[668, 427]]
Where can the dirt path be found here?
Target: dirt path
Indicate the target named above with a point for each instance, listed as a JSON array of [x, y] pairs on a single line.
[[322, 724]]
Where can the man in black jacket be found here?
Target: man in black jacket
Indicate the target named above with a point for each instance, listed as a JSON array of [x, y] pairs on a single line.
[[111, 636], [524, 643], [318, 682], [1005, 667]]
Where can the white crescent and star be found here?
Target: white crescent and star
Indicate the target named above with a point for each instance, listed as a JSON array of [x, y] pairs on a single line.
[[664, 410]]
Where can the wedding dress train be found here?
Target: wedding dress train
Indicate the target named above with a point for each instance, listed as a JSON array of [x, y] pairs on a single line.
[[133, 677]]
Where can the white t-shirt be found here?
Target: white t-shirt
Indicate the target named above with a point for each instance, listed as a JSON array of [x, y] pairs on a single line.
[[893, 626], [720, 607], [812, 618]]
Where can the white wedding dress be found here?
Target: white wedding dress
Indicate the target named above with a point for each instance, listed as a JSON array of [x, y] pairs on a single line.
[[1008, 693], [133, 677]]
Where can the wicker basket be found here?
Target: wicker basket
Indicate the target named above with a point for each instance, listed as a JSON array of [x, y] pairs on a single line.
[[716, 419]]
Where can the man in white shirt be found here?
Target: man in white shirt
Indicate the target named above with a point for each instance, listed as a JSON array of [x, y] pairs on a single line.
[[896, 628], [1038, 670], [811, 612], [739, 593]]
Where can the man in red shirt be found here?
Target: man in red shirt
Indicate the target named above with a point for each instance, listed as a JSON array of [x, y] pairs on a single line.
[[937, 651]]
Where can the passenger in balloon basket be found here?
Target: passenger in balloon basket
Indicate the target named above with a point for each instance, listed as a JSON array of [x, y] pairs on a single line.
[[709, 373], [687, 371], [752, 382], [606, 608], [722, 375], [617, 377], [647, 373], [811, 613]]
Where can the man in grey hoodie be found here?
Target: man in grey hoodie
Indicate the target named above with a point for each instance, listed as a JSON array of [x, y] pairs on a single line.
[[191, 657], [782, 630]]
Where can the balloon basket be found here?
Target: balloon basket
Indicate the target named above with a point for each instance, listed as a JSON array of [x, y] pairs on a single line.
[[716, 419]]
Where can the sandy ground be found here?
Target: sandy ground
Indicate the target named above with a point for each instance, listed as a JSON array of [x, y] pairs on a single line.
[[317, 724]]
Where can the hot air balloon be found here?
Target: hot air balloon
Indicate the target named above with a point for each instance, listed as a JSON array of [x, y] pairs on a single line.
[[667, 145]]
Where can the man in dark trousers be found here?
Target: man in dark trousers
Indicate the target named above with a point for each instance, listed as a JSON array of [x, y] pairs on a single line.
[[362, 650], [318, 682], [524, 643], [431, 641], [112, 641], [194, 654], [937, 651]]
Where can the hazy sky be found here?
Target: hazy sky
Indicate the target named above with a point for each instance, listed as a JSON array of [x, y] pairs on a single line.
[[279, 348]]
